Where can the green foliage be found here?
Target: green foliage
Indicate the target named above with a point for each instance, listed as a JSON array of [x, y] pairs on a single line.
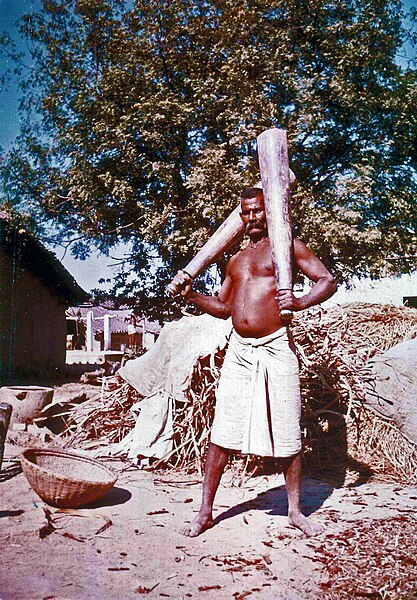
[[140, 123]]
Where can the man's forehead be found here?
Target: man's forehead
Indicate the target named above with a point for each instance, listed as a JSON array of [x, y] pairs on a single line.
[[256, 201]]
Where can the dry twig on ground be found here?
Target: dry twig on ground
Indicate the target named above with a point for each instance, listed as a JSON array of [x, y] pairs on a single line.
[[372, 559]]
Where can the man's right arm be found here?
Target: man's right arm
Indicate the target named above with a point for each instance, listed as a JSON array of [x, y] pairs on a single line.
[[217, 306]]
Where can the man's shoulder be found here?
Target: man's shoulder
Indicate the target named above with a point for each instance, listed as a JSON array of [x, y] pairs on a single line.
[[235, 260], [239, 254]]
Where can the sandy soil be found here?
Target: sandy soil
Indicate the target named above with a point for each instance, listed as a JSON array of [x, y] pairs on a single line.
[[250, 553]]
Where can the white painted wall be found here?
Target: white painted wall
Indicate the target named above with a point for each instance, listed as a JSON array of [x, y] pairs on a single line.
[[388, 290]]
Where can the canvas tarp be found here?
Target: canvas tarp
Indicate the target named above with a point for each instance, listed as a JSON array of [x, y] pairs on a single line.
[[169, 364], [162, 375], [392, 392]]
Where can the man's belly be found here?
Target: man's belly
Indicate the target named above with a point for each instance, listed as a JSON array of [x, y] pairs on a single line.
[[255, 315]]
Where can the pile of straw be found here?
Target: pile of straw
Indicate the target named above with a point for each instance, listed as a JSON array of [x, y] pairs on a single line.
[[102, 421], [334, 346]]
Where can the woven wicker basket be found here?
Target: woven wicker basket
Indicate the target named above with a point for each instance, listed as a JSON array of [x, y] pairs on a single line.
[[64, 479]]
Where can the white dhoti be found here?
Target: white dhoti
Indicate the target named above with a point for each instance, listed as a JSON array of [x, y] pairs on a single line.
[[258, 402]]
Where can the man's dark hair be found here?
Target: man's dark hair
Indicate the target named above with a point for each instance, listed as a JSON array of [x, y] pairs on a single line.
[[251, 192]]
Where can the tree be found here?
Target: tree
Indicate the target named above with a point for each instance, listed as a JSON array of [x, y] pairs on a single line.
[[140, 125]]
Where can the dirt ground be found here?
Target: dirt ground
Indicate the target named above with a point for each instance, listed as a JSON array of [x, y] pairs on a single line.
[[128, 544]]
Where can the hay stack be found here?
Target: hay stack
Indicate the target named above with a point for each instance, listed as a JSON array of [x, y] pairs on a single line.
[[334, 346]]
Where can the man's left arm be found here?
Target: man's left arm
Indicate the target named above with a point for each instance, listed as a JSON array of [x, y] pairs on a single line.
[[324, 283]]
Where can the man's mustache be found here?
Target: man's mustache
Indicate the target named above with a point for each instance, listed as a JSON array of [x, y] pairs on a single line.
[[254, 224]]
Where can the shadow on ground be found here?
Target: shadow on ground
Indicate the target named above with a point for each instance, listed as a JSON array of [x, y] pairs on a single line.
[[327, 465], [274, 501], [113, 497]]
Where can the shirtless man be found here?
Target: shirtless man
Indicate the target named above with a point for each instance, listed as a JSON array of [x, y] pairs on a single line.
[[248, 418]]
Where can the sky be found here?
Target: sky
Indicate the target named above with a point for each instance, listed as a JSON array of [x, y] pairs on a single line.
[[87, 273]]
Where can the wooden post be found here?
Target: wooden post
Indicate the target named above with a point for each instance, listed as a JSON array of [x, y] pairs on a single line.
[[144, 333], [90, 331], [5, 414], [107, 333]]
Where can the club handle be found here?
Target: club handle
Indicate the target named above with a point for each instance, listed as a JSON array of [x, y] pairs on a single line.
[[172, 290], [286, 314]]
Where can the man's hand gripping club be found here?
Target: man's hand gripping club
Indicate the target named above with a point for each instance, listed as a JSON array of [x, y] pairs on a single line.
[[180, 285]]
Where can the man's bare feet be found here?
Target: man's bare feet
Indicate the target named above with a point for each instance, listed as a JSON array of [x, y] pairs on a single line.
[[197, 526], [304, 524]]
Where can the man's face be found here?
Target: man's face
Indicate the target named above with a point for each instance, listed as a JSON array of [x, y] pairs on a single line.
[[253, 215]]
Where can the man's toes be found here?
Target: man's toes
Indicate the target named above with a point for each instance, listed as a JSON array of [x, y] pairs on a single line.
[[192, 530], [312, 529], [195, 528], [186, 530], [308, 527], [317, 529]]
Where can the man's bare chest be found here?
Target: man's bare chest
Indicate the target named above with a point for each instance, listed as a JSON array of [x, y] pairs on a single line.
[[254, 263]]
